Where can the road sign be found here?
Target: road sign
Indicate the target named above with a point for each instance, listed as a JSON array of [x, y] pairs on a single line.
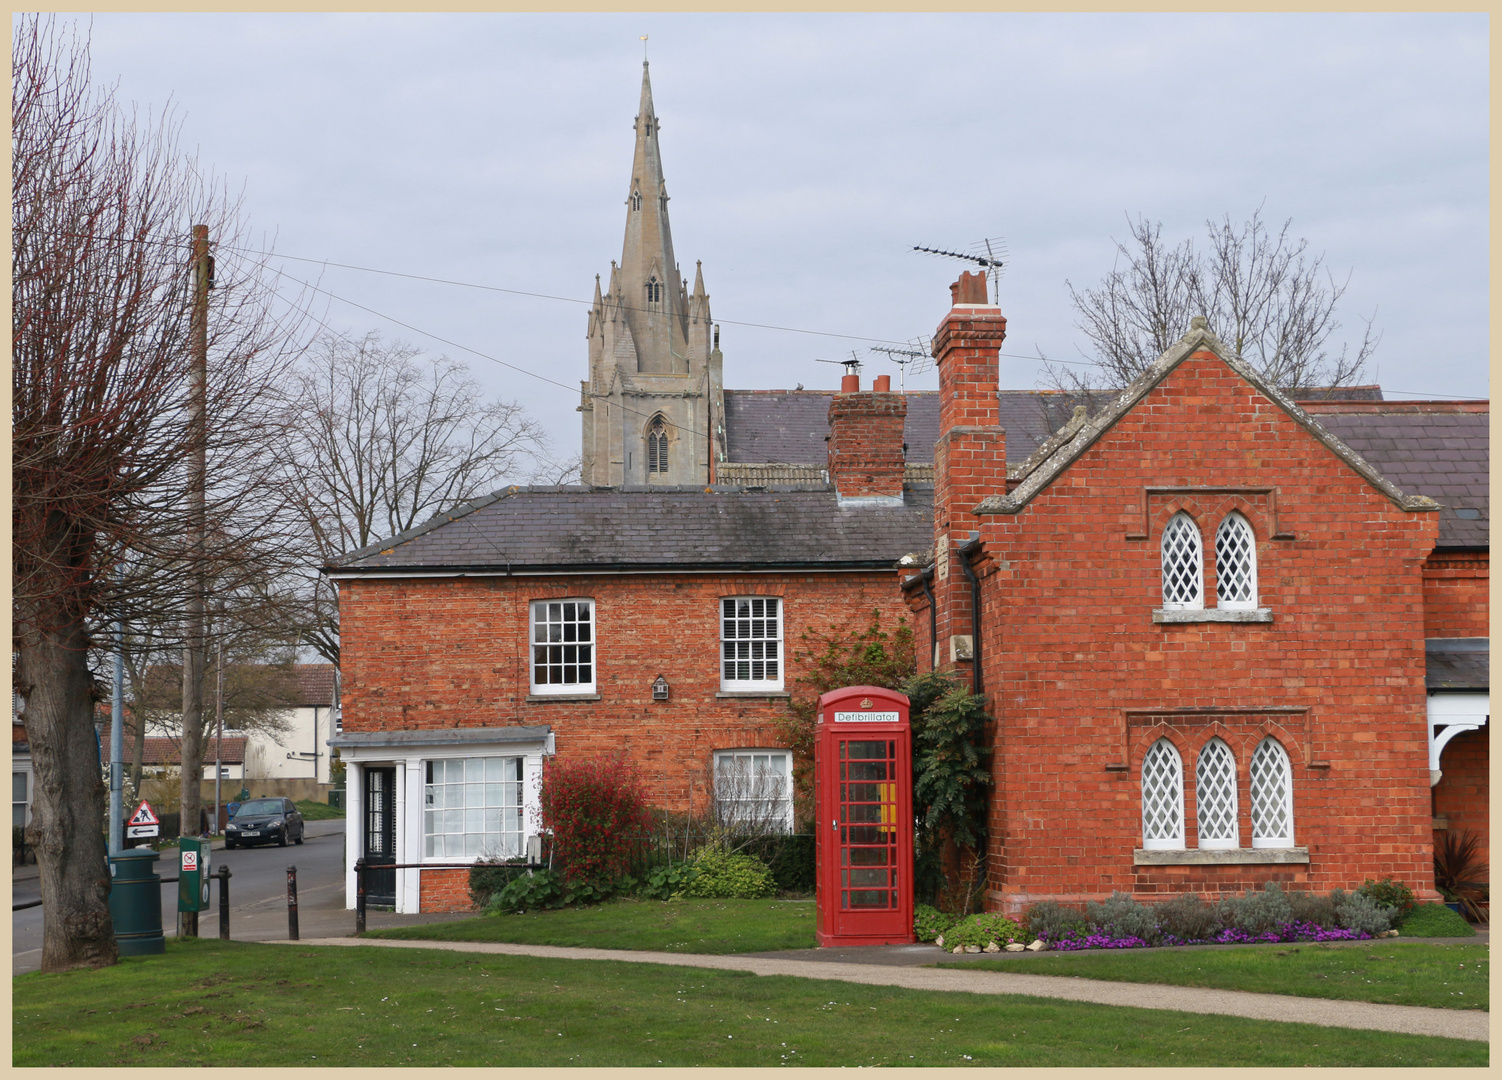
[[143, 816], [137, 832]]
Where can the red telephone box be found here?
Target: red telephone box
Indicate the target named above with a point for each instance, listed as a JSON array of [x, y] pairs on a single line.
[[863, 799]]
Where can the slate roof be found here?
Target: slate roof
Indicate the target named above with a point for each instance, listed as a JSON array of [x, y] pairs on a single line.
[[1457, 663], [564, 529], [1438, 449]]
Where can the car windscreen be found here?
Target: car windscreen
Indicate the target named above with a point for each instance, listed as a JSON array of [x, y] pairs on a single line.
[[259, 808]]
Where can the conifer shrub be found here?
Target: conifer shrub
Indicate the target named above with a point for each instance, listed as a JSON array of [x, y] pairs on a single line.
[[593, 807]]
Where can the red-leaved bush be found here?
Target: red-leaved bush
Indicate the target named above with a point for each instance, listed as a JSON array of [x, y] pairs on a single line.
[[593, 806]]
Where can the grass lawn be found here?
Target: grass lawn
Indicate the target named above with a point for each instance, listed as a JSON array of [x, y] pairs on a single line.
[[208, 1002], [1388, 972], [318, 811], [689, 926]]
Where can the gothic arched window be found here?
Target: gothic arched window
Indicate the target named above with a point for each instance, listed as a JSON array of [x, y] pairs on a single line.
[[1272, 796], [1215, 796], [657, 446], [1162, 797], [1183, 568], [1235, 563], [654, 291]]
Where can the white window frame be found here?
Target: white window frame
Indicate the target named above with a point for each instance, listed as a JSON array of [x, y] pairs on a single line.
[[765, 789], [1270, 841], [1177, 525], [580, 686], [729, 681], [1164, 843], [20, 805], [1215, 747], [1236, 520], [499, 787]]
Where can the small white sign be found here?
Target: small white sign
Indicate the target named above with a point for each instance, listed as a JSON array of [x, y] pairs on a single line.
[[136, 832], [190, 860], [867, 717]]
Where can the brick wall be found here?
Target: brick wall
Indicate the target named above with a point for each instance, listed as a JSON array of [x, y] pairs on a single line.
[[444, 890], [1455, 594], [865, 442], [445, 653], [1460, 797], [1082, 681]]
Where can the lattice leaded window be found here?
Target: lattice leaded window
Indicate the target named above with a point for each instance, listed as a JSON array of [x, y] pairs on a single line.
[[751, 643], [1215, 796], [1162, 797], [1183, 565], [1235, 563], [563, 649], [1272, 796]]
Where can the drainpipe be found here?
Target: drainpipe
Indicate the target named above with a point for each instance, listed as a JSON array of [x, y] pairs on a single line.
[[933, 618], [965, 552]]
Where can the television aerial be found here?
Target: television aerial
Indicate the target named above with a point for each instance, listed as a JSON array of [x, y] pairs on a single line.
[[915, 358], [852, 366], [987, 253]]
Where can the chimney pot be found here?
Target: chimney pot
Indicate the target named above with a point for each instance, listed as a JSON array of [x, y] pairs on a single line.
[[850, 384], [970, 289], [883, 384]]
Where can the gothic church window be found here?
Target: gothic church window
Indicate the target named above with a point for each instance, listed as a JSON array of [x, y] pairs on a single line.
[[1235, 563], [1215, 796], [1162, 797], [1183, 565], [657, 446], [1272, 796], [654, 291]]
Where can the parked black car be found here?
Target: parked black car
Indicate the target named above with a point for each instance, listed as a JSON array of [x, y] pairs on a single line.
[[260, 821]]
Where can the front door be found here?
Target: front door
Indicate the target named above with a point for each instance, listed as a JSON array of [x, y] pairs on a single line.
[[380, 835], [866, 863]]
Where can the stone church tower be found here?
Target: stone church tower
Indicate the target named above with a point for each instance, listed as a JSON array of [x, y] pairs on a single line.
[[653, 406]]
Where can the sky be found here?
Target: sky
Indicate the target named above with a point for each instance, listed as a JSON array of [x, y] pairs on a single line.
[[805, 156]]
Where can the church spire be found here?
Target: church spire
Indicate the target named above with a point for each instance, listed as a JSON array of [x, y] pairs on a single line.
[[651, 288]]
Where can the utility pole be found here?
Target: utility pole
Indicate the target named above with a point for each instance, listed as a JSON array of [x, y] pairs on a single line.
[[194, 659], [117, 744], [219, 724]]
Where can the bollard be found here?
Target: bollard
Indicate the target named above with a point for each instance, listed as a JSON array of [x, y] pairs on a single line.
[[292, 903], [360, 895], [223, 876]]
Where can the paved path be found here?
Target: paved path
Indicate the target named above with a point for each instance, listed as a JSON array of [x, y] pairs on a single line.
[[1450, 1023]]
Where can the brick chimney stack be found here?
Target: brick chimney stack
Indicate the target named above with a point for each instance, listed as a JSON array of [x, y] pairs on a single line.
[[970, 458], [866, 458]]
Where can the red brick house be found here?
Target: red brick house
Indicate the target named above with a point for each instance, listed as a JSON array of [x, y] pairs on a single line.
[[1200, 617]]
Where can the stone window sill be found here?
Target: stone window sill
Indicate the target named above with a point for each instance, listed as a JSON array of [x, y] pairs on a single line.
[[1199, 615], [538, 699], [1219, 856], [753, 694]]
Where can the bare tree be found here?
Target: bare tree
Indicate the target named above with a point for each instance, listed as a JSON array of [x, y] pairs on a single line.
[[101, 431], [381, 437], [1262, 293]]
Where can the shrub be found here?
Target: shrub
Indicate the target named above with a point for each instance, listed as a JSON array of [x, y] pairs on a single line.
[[1122, 917], [666, 881], [982, 929], [789, 857], [1392, 893], [1361, 913], [592, 806], [1186, 918], [930, 923], [1461, 874], [1434, 920], [1316, 909], [1256, 912], [723, 874], [527, 892], [1053, 921], [488, 878]]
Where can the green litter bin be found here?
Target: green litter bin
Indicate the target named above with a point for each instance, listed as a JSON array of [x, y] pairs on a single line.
[[136, 902]]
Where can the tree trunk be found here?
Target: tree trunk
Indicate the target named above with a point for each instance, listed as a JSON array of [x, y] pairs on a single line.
[[69, 803]]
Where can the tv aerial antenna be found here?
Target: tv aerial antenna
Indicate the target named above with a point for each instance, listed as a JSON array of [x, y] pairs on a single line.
[[916, 357], [987, 253]]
